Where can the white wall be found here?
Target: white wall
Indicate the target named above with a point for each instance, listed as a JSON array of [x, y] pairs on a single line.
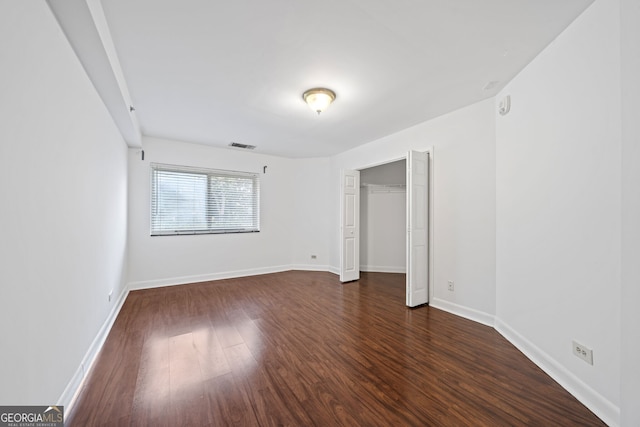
[[164, 260], [383, 232], [630, 51], [63, 175], [292, 225], [394, 173], [464, 202], [559, 206], [311, 221]]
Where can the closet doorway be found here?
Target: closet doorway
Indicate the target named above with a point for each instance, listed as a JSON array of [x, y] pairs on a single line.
[[418, 242], [383, 218]]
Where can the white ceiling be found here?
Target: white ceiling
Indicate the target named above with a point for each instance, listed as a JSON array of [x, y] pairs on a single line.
[[213, 72]]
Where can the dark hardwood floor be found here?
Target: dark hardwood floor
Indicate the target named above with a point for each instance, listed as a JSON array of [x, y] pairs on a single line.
[[301, 349]]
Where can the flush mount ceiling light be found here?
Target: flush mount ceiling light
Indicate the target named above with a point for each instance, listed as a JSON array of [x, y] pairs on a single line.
[[319, 98]]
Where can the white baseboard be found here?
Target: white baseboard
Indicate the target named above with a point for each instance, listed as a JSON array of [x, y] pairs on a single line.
[[67, 399], [462, 311], [312, 267], [171, 281], [382, 269], [598, 404]]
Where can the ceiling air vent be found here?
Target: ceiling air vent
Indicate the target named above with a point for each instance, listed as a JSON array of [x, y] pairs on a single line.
[[243, 146]]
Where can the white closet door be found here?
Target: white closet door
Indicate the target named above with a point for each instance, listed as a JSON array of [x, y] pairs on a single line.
[[417, 228], [350, 225]]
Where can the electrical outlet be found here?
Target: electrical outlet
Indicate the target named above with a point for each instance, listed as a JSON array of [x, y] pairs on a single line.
[[450, 285], [583, 352], [313, 257]]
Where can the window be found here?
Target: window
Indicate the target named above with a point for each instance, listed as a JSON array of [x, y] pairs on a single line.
[[187, 200]]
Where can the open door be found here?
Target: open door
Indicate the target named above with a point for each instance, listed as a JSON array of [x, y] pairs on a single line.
[[417, 228], [349, 225]]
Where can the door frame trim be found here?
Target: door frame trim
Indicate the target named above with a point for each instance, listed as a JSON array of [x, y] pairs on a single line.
[[430, 209]]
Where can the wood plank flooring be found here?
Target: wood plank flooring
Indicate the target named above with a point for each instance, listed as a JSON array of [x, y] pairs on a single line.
[[301, 349]]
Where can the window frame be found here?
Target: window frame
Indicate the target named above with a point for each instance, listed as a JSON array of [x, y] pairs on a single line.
[[156, 229]]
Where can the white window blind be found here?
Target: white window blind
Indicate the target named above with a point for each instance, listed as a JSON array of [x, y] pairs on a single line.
[[186, 200]]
